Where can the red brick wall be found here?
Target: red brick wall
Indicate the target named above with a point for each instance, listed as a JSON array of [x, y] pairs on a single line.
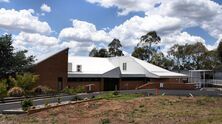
[[170, 83], [130, 85], [166, 80], [175, 86], [96, 87], [50, 69]]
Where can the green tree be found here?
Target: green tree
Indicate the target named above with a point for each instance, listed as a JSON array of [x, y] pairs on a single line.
[[140, 53], [26, 81], [177, 53], [211, 60], [12, 62], [3, 89], [94, 53], [103, 53], [99, 53], [160, 60], [195, 53], [147, 47], [115, 48], [149, 39], [219, 51], [192, 57]]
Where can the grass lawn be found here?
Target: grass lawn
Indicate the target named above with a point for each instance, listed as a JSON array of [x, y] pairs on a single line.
[[125, 108]]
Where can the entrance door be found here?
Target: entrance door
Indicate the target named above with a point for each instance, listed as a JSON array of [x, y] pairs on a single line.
[[60, 83], [111, 84]]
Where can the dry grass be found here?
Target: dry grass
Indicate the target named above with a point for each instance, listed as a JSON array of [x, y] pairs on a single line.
[[141, 110]]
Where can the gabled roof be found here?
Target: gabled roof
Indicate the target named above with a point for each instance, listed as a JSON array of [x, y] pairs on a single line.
[[91, 65], [44, 57], [158, 70], [112, 67]]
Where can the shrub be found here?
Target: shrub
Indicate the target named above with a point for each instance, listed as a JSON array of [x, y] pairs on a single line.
[[73, 91], [59, 99], [16, 92], [80, 89], [46, 103], [76, 98], [26, 104], [3, 90], [70, 91], [105, 121], [41, 90], [25, 81], [115, 93]]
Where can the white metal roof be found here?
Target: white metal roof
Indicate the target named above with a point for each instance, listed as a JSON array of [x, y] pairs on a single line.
[[90, 65], [158, 70], [98, 67]]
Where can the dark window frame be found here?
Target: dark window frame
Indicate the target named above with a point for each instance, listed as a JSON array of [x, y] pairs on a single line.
[[124, 66], [79, 68]]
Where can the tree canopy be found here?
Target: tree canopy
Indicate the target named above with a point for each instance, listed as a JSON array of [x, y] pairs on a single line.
[[146, 48], [12, 62], [193, 57], [179, 57], [114, 49], [219, 51]]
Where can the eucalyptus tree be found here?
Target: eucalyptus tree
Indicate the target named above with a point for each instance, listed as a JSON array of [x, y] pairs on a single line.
[[115, 48], [147, 47]]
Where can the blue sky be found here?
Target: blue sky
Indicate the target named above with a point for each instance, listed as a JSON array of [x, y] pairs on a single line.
[[84, 24]]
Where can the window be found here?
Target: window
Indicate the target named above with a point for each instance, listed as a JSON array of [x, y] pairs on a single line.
[[79, 68], [69, 67], [124, 66]]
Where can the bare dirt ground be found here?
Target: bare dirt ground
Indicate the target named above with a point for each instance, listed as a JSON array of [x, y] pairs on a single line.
[[141, 110]]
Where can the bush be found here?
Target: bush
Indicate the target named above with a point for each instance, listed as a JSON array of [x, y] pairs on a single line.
[[25, 81], [16, 92], [105, 121], [76, 98], [115, 93], [70, 91], [80, 89], [46, 103], [26, 104], [73, 91], [59, 100], [3, 90], [41, 90]]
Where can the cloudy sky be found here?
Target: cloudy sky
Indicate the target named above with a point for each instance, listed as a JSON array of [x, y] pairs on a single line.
[[41, 26]]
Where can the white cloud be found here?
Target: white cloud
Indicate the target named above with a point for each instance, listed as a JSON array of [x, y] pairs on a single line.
[[131, 30], [35, 43], [45, 8], [84, 32], [35, 39], [126, 6], [204, 13], [179, 38], [38, 44], [168, 19], [78, 48], [6, 1], [22, 20]]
